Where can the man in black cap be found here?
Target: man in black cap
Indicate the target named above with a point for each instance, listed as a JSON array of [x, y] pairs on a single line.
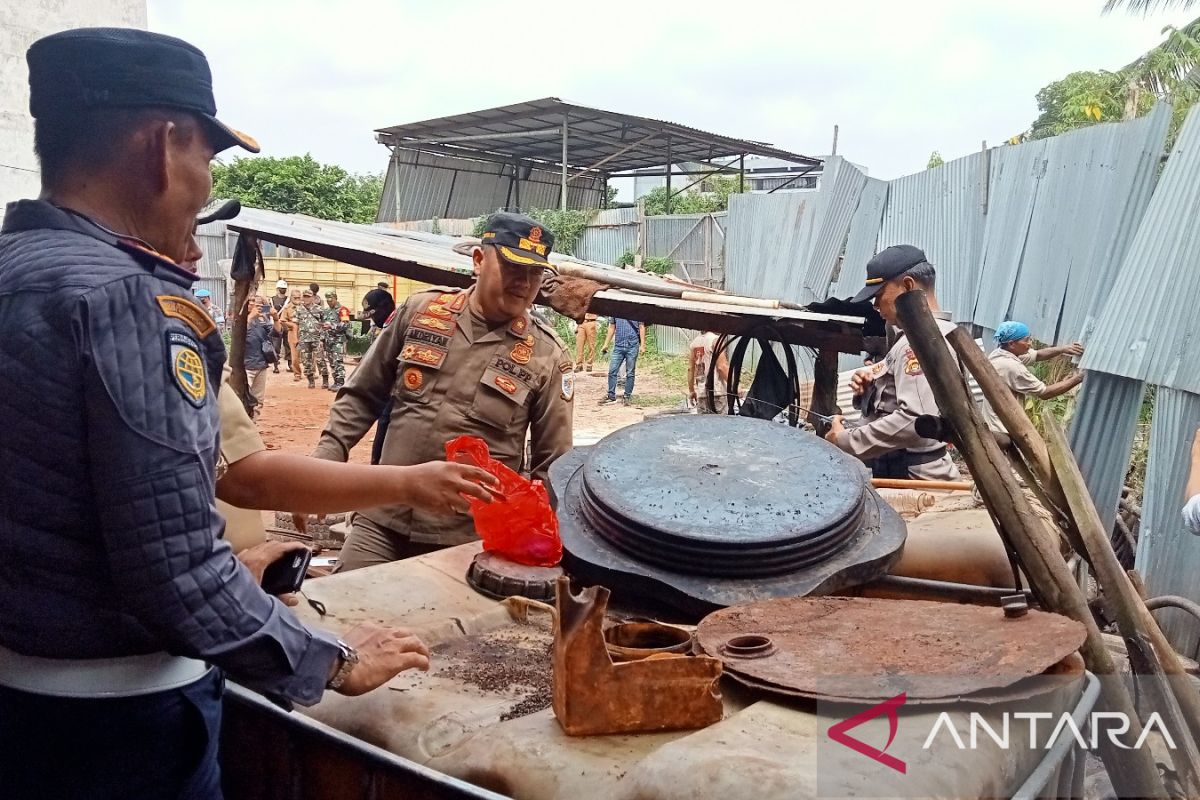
[[378, 305], [458, 363], [120, 603], [894, 392]]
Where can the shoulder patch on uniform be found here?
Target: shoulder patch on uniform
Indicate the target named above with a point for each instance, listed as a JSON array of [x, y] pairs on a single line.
[[911, 365], [188, 313], [187, 367], [568, 386]]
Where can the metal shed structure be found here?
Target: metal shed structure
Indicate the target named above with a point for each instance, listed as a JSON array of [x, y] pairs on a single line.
[[509, 156]]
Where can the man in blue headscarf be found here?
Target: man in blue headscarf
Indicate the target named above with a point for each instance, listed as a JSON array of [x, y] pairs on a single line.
[[1013, 353]]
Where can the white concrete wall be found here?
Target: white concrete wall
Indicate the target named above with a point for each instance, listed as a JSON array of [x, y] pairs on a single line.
[[22, 22]]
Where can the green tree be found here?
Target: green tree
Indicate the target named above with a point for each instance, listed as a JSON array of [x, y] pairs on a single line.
[[1078, 100], [1169, 71], [716, 198], [299, 185], [935, 160]]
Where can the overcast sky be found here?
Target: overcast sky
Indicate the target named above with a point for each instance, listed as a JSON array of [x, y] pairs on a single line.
[[900, 78]]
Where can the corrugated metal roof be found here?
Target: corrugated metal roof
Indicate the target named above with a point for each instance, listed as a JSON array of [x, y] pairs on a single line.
[[940, 211], [431, 258], [1168, 555], [1101, 436], [1149, 328], [593, 135]]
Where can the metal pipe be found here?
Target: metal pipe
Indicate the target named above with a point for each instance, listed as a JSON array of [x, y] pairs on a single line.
[[482, 137], [563, 197], [741, 173], [1044, 771], [792, 179], [617, 154], [703, 177], [670, 169], [949, 589], [1174, 601]]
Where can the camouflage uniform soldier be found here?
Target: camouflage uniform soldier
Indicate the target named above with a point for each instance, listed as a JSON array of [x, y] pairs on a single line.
[[339, 318], [312, 320]]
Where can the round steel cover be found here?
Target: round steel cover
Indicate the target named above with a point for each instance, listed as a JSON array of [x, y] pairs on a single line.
[[870, 649], [723, 495], [702, 512]]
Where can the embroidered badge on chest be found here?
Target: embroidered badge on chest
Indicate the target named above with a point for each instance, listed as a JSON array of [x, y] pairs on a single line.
[[507, 385], [911, 365], [521, 353], [413, 379], [187, 367], [428, 356]]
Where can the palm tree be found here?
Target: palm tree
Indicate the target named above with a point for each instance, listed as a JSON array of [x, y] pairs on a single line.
[[1147, 6], [1169, 71]]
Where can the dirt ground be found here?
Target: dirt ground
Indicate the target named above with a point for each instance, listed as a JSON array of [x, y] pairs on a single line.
[[294, 415]]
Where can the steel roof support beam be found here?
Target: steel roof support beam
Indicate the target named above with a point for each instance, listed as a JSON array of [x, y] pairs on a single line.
[[481, 137], [595, 167]]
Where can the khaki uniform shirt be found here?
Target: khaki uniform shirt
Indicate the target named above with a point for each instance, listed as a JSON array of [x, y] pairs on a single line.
[[449, 376], [903, 394], [1017, 377], [239, 438]]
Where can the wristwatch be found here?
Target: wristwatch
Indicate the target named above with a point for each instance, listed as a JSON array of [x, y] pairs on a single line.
[[349, 657]]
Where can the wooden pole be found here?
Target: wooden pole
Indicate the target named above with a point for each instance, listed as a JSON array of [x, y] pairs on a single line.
[[1024, 436], [1133, 618], [824, 397], [1132, 771]]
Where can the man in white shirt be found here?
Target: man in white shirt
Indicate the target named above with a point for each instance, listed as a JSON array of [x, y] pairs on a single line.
[[1191, 509]]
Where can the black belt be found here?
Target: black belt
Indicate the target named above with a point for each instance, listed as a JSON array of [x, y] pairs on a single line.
[[896, 464]]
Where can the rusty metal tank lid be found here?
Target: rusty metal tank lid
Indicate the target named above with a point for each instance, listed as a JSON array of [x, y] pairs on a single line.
[[873, 649]]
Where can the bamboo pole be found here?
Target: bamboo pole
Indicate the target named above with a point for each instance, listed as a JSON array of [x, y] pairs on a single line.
[[1132, 771], [1024, 436], [1133, 618]]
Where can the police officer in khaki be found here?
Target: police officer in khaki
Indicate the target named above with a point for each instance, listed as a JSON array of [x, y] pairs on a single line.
[[895, 391], [458, 362]]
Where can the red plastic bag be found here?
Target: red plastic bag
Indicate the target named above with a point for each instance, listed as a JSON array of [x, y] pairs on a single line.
[[522, 526]]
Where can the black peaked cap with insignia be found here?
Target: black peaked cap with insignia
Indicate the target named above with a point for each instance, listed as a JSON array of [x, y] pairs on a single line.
[[519, 239], [888, 264], [88, 68]]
